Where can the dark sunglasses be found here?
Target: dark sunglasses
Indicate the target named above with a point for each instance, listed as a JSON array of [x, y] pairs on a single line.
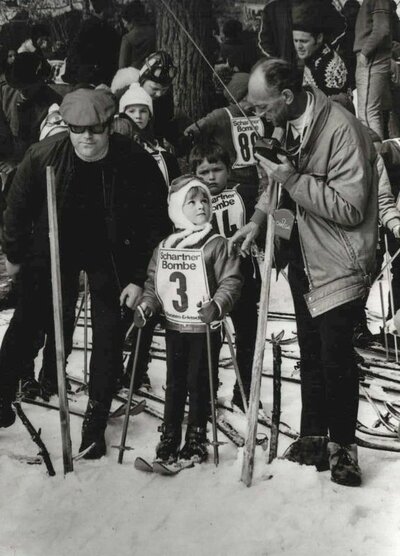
[[96, 129]]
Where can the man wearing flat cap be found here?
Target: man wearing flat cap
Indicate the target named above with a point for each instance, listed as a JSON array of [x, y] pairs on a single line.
[[111, 202]]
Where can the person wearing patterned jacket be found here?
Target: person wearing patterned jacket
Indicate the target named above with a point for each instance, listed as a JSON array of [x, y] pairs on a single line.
[[323, 67]]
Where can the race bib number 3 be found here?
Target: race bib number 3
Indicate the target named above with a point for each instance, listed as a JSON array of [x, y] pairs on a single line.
[[244, 135], [181, 283], [229, 212]]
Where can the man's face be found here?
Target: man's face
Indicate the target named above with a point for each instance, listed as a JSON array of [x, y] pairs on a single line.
[[306, 44], [88, 144], [153, 89], [267, 101]]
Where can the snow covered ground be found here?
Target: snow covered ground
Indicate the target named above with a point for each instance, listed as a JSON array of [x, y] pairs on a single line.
[[104, 508]]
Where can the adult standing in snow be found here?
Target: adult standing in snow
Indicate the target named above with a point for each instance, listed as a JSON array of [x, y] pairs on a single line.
[[330, 182], [109, 225]]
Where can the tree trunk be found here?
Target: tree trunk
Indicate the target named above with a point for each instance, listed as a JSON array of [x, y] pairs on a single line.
[[193, 82]]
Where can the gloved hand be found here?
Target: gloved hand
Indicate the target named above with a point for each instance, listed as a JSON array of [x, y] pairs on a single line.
[[393, 325], [209, 312], [142, 313]]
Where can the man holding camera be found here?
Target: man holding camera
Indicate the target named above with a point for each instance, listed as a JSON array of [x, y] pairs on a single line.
[[328, 179]]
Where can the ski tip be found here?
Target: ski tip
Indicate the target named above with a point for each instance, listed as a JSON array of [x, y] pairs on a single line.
[[142, 465], [85, 452], [170, 469]]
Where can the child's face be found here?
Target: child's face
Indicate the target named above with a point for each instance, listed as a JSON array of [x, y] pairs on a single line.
[[215, 174], [139, 114], [196, 207]]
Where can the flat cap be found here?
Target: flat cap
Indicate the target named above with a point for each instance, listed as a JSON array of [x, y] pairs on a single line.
[[88, 107]]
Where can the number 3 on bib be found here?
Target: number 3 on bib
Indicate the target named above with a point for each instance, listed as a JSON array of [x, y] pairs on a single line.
[[181, 283], [181, 305]]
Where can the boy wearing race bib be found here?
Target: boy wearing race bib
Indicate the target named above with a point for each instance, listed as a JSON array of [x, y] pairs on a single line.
[[211, 163], [188, 270]]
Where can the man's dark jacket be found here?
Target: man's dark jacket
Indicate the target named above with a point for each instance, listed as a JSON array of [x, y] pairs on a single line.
[[135, 199]]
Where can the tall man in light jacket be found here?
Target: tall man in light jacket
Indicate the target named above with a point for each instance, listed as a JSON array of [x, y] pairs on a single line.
[[330, 184]]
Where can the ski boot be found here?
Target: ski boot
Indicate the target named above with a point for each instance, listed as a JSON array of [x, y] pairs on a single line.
[[7, 415], [93, 427], [196, 443], [309, 450], [237, 400], [30, 387], [343, 462], [170, 441], [49, 387]]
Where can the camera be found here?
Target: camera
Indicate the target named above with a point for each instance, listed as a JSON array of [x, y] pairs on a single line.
[[269, 148]]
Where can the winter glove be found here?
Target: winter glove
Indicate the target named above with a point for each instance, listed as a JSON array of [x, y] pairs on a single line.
[[142, 313], [209, 312], [393, 325]]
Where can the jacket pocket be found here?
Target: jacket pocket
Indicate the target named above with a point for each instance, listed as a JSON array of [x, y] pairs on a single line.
[[349, 248]]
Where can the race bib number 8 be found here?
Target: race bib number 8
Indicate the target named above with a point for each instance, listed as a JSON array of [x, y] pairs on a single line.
[[244, 135], [181, 283]]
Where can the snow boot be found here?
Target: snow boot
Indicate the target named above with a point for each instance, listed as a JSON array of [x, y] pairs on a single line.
[[30, 387], [7, 415], [309, 450], [167, 449], [196, 443], [49, 387], [237, 400], [93, 427], [362, 336], [344, 464]]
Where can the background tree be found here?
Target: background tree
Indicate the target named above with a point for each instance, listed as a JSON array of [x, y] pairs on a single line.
[[193, 86]]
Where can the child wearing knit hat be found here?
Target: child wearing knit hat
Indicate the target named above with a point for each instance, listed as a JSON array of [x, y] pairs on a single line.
[[190, 268], [137, 105]]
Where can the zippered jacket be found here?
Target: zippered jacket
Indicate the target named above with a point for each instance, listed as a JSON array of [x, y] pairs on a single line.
[[335, 189], [135, 204]]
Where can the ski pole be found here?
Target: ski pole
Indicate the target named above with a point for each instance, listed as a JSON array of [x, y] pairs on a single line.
[[78, 315], [122, 447], [384, 320], [391, 300], [212, 394], [85, 330], [58, 319], [229, 336]]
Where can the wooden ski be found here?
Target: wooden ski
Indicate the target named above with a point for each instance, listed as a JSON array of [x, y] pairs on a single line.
[[58, 319], [252, 414]]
